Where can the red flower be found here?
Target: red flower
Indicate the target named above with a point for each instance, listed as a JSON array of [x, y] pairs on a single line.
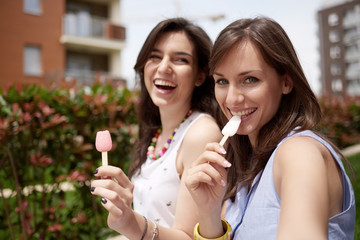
[[55, 227], [41, 161], [76, 175]]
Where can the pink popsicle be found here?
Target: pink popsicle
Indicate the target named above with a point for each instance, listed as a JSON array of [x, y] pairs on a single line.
[[103, 144]]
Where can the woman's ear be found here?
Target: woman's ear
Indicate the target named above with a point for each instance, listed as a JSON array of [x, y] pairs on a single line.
[[287, 84], [201, 79]]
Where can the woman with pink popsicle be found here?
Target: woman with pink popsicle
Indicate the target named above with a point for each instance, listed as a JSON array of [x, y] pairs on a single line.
[[176, 117]]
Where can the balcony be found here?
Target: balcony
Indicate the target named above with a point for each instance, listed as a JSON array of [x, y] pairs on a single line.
[[352, 19], [87, 77], [82, 30], [353, 88], [351, 37], [352, 54], [353, 71]]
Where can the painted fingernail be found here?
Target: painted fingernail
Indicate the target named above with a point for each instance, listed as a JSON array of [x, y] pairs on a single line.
[[227, 163], [96, 171], [92, 189], [103, 200], [222, 150]]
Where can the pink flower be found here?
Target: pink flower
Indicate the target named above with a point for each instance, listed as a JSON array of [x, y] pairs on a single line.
[[55, 227]]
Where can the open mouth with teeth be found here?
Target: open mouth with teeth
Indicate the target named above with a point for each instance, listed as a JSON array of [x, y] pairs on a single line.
[[245, 113], [164, 85]]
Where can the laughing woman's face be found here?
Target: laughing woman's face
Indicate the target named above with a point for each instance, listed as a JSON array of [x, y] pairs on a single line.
[[171, 71]]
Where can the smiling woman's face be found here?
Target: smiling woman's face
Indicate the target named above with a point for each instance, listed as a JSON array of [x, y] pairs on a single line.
[[171, 71], [246, 86]]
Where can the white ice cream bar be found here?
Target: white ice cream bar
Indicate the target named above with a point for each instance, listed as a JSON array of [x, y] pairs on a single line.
[[230, 128]]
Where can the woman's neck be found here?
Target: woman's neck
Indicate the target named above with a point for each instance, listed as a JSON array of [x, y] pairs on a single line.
[[171, 117]]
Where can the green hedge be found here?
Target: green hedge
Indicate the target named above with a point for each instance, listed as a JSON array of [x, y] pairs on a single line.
[[341, 120], [47, 139]]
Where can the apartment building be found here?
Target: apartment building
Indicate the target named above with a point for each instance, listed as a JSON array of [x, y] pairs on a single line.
[[47, 40], [339, 34]]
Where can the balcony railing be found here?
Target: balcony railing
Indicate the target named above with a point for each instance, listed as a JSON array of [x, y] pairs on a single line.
[[353, 71], [351, 20], [89, 77], [84, 25]]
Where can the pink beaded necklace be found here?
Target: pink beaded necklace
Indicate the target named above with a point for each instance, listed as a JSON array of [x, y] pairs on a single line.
[[150, 151]]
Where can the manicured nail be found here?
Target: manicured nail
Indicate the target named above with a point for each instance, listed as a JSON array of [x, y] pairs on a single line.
[[227, 164], [222, 150], [92, 189], [103, 200], [96, 171]]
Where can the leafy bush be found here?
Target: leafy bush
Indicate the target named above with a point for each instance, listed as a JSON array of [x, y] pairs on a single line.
[[47, 138], [341, 119], [355, 163], [47, 154]]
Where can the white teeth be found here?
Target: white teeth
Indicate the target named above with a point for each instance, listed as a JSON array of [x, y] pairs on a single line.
[[164, 83], [243, 113]]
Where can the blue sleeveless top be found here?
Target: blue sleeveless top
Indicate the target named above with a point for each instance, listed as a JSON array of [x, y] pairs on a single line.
[[256, 215]]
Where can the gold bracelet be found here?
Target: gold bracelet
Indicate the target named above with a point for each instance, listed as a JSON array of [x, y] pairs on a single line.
[[226, 236], [155, 232]]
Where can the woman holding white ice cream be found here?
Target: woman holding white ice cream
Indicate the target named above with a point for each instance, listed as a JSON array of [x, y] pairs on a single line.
[[176, 117], [286, 181]]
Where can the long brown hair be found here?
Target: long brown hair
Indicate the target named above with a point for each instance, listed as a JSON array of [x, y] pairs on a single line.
[[203, 98], [299, 108]]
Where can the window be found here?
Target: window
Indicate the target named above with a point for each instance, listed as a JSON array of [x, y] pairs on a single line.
[[335, 52], [337, 85], [333, 19], [335, 69], [32, 60], [334, 36], [32, 6]]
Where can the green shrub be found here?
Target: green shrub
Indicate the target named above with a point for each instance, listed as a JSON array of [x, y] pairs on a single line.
[[341, 119], [355, 163], [47, 138]]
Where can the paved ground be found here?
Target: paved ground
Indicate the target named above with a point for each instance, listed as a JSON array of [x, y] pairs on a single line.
[[351, 150]]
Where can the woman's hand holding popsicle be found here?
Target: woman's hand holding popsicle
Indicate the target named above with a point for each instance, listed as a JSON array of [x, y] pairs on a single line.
[[207, 178], [113, 186]]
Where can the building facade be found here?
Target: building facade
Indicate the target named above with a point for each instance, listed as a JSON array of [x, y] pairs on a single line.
[[46, 40], [339, 34]]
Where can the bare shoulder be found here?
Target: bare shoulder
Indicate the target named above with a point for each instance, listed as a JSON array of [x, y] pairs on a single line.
[[301, 147], [204, 129], [301, 156]]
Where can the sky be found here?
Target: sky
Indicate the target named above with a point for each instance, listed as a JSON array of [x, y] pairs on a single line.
[[298, 18]]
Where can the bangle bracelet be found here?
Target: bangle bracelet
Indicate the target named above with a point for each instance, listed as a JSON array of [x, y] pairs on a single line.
[[146, 225], [155, 232], [226, 236]]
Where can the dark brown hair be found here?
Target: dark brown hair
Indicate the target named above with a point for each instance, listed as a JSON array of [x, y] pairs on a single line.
[[203, 98], [299, 108]]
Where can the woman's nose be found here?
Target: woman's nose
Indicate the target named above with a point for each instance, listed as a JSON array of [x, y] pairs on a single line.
[[234, 95], [165, 66]]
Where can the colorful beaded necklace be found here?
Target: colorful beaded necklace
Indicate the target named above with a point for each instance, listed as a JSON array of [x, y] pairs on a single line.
[[150, 151]]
